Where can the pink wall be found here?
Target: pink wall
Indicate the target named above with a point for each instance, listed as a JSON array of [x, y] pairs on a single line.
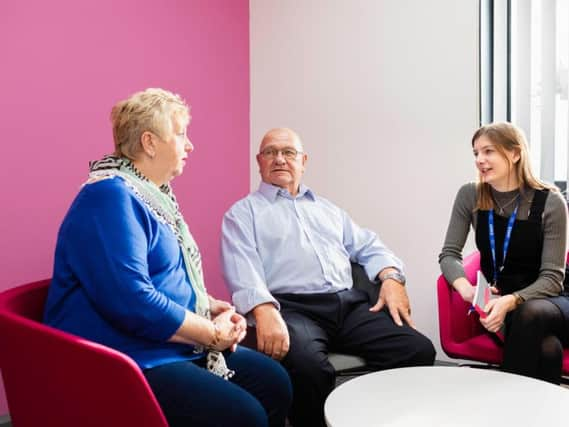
[[66, 62]]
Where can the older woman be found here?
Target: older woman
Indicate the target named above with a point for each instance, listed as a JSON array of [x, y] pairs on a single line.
[[128, 274]]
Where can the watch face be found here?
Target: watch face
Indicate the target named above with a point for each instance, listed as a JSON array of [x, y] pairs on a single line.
[[395, 276]]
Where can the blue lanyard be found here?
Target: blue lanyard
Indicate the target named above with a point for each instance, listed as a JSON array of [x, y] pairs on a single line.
[[506, 239]]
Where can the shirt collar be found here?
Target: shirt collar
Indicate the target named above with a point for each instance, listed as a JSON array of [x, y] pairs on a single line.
[[271, 192]]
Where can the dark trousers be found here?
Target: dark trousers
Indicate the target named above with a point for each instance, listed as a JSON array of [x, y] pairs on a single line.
[[340, 322], [258, 395], [536, 333]]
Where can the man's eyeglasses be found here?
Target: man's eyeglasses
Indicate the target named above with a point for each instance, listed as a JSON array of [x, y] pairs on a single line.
[[288, 153]]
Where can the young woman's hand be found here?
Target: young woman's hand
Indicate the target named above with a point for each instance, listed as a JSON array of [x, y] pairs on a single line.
[[497, 310], [494, 290], [464, 288]]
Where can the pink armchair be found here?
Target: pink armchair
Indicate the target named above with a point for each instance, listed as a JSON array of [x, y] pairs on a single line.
[[462, 336], [57, 379]]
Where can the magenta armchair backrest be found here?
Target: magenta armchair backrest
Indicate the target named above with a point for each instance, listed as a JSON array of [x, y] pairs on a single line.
[[57, 379]]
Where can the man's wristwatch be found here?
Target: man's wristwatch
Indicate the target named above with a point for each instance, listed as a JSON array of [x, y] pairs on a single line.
[[395, 275]]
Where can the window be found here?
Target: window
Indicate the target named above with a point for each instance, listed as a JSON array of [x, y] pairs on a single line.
[[524, 57]]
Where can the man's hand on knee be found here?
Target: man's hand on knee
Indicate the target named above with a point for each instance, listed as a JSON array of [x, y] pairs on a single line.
[[394, 296], [272, 333]]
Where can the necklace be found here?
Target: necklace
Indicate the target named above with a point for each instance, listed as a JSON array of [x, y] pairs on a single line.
[[505, 205]]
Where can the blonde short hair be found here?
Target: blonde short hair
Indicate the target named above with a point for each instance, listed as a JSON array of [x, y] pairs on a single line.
[[149, 110]]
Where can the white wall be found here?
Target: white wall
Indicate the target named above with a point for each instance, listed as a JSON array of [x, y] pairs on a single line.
[[384, 95]]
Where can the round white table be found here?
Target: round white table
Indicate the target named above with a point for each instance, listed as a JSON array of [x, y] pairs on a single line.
[[446, 396]]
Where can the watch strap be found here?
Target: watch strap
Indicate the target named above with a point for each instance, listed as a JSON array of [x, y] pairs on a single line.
[[395, 275]]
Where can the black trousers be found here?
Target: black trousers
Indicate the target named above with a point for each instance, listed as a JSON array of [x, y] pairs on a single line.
[[340, 322], [536, 332], [258, 395]]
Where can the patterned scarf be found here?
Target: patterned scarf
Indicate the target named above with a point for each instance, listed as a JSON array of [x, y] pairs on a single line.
[[163, 204]]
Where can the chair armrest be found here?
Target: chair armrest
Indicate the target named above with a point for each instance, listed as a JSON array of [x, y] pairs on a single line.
[[455, 325], [86, 377], [362, 282]]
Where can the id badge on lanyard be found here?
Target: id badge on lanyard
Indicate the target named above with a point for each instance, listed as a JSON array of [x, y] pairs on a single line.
[[499, 268]]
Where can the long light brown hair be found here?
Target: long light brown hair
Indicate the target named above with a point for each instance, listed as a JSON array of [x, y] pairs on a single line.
[[507, 138]]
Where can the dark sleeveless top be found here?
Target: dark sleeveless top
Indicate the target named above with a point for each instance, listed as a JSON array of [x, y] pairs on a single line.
[[523, 259]]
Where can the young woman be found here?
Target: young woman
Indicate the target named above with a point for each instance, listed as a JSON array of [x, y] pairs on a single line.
[[520, 225]]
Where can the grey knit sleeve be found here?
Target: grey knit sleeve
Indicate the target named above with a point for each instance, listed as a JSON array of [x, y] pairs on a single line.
[[553, 256], [450, 258]]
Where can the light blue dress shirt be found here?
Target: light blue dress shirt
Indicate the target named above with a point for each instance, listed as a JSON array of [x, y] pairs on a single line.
[[275, 243]]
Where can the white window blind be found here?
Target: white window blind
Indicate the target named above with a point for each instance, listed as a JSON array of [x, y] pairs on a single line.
[[524, 56]]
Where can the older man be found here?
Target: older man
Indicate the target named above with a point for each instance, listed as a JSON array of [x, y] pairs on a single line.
[[286, 256]]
